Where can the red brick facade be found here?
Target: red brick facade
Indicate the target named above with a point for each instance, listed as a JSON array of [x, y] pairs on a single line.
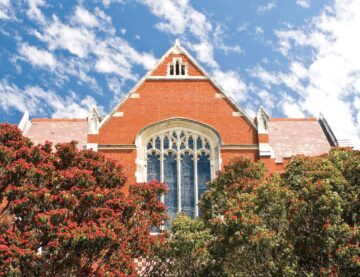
[[160, 99], [194, 96]]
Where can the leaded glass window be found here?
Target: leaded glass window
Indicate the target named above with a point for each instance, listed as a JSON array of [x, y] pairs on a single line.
[[182, 159]]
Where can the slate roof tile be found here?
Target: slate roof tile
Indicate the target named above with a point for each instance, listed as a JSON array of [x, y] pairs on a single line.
[[291, 136], [58, 130]]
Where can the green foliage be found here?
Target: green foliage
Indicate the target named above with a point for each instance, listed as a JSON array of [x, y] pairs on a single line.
[[188, 246], [304, 222], [64, 213]]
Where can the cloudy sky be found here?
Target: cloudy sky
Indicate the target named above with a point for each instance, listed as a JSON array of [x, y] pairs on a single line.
[[297, 58]]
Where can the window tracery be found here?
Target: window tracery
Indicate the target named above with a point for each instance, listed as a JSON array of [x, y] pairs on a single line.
[[182, 159]]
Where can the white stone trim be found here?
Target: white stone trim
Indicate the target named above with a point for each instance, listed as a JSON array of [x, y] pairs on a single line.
[[171, 124], [118, 114], [93, 121], [173, 63], [236, 114], [25, 123], [190, 128], [240, 147], [219, 96], [174, 77], [178, 49], [117, 147], [265, 150], [135, 95], [93, 146], [262, 120]]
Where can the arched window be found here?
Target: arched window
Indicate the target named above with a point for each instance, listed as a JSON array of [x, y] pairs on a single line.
[[177, 68], [182, 159]]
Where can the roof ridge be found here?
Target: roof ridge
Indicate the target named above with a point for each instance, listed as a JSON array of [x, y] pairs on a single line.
[[58, 119], [293, 119]]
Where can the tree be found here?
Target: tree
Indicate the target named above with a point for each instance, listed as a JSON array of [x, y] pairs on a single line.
[[186, 252], [64, 212], [304, 222]]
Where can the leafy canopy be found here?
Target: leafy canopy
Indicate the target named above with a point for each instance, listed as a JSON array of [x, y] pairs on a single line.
[[64, 212], [304, 222]]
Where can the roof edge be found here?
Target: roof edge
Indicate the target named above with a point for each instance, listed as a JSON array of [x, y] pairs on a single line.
[[58, 120], [292, 119], [178, 46]]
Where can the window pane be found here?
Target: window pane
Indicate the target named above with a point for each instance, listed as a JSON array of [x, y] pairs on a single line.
[[183, 70], [157, 143], [187, 185], [204, 174], [153, 167], [166, 143], [191, 143], [170, 178], [199, 143], [171, 69]]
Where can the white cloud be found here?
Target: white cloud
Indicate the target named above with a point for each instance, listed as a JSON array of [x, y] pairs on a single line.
[[328, 80], [173, 12], [6, 10], [100, 51], [107, 3], [77, 40], [34, 11], [291, 108], [267, 99], [268, 78], [303, 3], [205, 52], [259, 30], [38, 101], [37, 57], [231, 82], [181, 19], [243, 26], [84, 17], [267, 7]]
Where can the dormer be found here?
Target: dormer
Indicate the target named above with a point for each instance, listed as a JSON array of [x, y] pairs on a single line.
[[177, 68]]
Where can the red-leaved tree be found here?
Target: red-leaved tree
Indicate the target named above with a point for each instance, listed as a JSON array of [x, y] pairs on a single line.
[[63, 212]]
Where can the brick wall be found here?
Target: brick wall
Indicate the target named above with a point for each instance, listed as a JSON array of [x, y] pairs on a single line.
[[159, 100]]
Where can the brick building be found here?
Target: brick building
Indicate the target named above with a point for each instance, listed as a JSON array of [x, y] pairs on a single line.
[[178, 125]]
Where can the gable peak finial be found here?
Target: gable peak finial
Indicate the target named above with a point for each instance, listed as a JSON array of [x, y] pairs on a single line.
[[177, 42]]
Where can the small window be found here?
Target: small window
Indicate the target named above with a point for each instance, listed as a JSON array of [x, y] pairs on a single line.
[[177, 68], [171, 69], [182, 69]]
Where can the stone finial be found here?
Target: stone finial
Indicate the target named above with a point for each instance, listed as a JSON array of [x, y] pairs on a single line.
[[262, 121], [93, 121], [177, 42]]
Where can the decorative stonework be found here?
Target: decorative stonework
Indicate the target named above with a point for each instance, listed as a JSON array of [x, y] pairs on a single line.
[[135, 95], [93, 122], [118, 114], [183, 153], [177, 68]]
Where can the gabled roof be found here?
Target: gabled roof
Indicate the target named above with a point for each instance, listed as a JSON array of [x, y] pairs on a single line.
[[178, 49], [297, 136], [58, 130]]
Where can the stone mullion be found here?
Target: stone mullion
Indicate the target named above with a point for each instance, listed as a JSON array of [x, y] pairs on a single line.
[[162, 164], [196, 177], [178, 158]]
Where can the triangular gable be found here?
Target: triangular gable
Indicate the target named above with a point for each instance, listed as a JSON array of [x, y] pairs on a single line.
[[178, 49]]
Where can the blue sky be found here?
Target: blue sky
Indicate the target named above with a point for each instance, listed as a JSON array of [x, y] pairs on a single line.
[[295, 57]]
